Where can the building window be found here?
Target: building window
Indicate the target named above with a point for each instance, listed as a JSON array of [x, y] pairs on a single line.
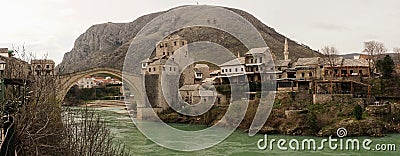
[[166, 44], [47, 66], [154, 69], [302, 74], [230, 70], [38, 66], [163, 53], [175, 43], [236, 69], [170, 68], [163, 68], [351, 71], [310, 74], [260, 59], [183, 43], [255, 61], [226, 70], [251, 60], [242, 69]]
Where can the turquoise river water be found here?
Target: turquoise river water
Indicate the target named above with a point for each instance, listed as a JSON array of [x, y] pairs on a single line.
[[239, 143]]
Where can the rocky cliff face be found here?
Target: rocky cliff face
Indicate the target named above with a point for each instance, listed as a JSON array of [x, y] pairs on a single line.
[[105, 45]]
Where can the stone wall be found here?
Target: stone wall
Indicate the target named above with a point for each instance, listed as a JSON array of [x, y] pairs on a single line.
[[325, 98], [378, 109]]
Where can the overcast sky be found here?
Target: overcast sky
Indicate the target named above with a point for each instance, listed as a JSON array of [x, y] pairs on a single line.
[[51, 26]]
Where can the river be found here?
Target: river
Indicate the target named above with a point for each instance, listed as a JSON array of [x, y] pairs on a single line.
[[239, 143]]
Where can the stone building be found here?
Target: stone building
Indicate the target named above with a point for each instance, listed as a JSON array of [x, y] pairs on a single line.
[[201, 72], [197, 94], [42, 67], [255, 61], [162, 69], [309, 68], [86, 82], [169, 45], [14, 68], [4, 52]]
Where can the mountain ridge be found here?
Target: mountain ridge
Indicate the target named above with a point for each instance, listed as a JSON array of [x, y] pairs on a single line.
[[106, 44]]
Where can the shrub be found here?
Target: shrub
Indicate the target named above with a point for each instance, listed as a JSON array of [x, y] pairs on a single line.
[[357, 111]]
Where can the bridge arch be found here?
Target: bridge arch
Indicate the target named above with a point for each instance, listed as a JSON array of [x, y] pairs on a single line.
[[67, 81]]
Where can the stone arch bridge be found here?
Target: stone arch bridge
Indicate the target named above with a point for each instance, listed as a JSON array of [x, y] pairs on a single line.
[[141, 111], [66, 81]]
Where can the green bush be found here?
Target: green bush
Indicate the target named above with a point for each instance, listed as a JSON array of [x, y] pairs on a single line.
[[357, 111]]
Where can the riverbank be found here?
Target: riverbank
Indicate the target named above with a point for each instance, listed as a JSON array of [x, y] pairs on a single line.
[[239, 143], [300, 119]]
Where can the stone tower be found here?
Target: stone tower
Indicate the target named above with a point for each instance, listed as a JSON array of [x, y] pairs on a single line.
[[286, 50]]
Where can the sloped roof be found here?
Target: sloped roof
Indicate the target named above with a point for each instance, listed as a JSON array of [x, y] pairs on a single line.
[[355, 62], [282, 63], [201, 66], [190, 87], [3, 50], [257, 50], [337, 61], [163, 62], [146, 60], [203, 93], [211, 79], [215, 72], [237, 61], [42, 61], [308, 61]]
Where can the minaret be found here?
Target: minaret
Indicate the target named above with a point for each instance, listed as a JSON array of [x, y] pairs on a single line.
[[286, 50]]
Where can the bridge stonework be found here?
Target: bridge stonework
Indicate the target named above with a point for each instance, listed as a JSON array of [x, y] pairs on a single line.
[[67, 81]]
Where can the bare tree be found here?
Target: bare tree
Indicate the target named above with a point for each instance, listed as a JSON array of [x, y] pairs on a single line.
[[374, 50], [41, 127], [330, 57], [397, 53]]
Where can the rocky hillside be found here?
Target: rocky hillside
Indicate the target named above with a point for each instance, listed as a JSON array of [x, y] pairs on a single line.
[[105, 45]]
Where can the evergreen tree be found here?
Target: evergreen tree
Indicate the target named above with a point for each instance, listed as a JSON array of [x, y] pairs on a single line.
[[386, 67]]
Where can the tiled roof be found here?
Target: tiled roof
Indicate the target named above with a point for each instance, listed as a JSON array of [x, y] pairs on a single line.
[[337, 61], [355, 62], [3, 50], [190, 87], [163, 62], [308, 61], [201, 66], [215, 72], [282, 63], [257, 50], [237, 61]]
